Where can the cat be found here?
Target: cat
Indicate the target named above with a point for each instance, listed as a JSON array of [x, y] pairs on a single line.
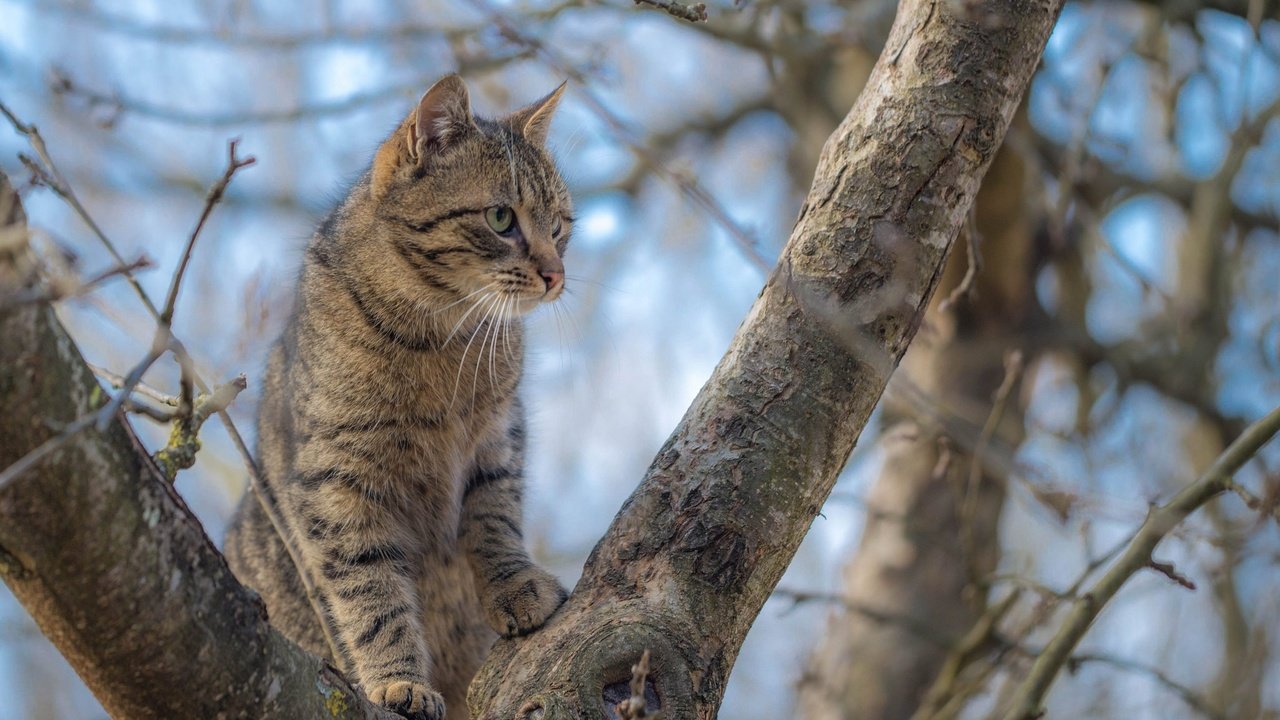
[[390, 431]]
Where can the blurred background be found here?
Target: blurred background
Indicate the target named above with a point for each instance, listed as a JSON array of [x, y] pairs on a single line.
[[1109, 320]]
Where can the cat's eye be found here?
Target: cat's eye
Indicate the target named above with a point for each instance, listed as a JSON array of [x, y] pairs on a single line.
[[555, 231], [501, 218]]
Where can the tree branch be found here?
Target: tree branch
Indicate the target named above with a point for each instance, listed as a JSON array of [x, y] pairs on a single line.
[[112, 565], [1215, 481], [698, 547]]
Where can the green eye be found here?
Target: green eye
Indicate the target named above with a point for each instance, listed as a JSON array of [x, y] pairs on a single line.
[[502, 219]]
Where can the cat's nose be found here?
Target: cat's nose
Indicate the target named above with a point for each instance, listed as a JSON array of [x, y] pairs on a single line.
[[553, 279]]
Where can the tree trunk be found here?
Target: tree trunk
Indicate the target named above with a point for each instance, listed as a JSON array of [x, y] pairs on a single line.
[[928, 535], [699, 546], [109, 561]]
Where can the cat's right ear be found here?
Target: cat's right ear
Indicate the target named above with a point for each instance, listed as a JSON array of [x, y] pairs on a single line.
[[442, 116]]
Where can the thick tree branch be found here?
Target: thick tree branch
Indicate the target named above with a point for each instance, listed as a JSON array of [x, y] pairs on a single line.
[[112, 565], [699, 546]]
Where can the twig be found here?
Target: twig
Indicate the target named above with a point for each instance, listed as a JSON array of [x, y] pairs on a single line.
[[33, 458], [55, 293], [635, 707], [918, 628], [1215, 481], [1192, 698], [969, 506], [184, 440], [234, 164], [117, 382], [974, 643], [255, 482], [974, 255], [53, 178], [164, 417], [693, 13], [1168, 570]]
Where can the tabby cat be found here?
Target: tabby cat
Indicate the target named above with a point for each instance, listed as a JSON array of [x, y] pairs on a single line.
[[390, 432]]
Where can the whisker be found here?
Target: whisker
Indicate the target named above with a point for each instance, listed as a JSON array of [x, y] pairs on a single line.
[[506, 335], [579, 279], [457, 381], [464, 298], [463, 319], [475, 376]]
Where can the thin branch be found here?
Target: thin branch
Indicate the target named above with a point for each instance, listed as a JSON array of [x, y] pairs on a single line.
[[1013, 363], [919, 628], [117, 382], [693, 13], [59, 291], [33, 458], [234, 164], [974, 255], [1192, 698], [50, 175], [179, 350], [332, 35], [635, 707], [1215, 481], [1168, 570], [184, 440]]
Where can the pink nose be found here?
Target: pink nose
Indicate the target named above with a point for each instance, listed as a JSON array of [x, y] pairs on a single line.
[[553, 279]]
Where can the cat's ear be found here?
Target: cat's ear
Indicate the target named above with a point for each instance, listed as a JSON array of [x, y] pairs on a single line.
[[534, 122], [442, 116]]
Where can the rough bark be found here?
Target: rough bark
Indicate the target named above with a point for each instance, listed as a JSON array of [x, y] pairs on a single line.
[[928, 536], [699, 546], [111, 564]]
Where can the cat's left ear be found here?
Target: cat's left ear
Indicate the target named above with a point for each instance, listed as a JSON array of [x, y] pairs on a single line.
[[534, 122], [441, 118]]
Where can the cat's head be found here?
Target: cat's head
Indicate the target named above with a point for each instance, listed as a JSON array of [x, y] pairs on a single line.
[[475, 208]]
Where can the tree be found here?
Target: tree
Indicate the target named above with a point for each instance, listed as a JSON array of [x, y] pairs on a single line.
[[723, 508]]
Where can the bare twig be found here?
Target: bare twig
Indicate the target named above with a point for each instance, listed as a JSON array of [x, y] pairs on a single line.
[[117, 382], [919, 628], [63, 190], [693, 13], [1215, 481], [1168, 570], [944, 690], [635, 707], [969, 507], [974, 255], [184, 440], [63, 291], [53, 178], [31, 459], [1192, 698], [234, 164]]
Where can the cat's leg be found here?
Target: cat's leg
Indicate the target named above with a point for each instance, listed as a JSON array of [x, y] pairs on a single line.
[[367, 570], [517, 595]]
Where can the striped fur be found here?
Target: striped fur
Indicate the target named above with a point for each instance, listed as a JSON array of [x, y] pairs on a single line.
[[390, 432]]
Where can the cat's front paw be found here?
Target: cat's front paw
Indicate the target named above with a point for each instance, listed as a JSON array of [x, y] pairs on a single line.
[[412, 700], [523, 603]]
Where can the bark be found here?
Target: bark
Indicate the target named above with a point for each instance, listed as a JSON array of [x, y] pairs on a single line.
[[699, 546], [108, 560], [928, 536]]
